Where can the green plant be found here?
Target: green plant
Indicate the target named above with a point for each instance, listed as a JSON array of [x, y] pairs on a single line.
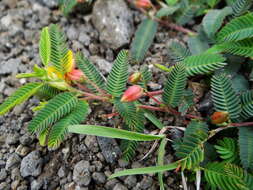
[[212, 54]]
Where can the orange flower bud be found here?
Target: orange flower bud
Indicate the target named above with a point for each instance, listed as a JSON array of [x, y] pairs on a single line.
[[143, 4], [75, 75], [219, 117], [132, 93], [135, 77]]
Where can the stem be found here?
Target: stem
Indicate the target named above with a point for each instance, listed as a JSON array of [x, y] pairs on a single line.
[[153, 108], [155, 93], [110, 115], [94, 97], [245, 124], [153, 98]]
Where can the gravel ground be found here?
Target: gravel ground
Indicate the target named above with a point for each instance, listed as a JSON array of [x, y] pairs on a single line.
[[81, 162]]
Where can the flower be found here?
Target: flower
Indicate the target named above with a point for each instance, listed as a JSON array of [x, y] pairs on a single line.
[[75, 75], [132, 93], [135, 78], [219, 117], [143, 4]]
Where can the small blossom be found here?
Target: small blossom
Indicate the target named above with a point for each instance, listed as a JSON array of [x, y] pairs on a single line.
[[143, 4], [219, 117], [132, 93], [135, 78], [75, 75]]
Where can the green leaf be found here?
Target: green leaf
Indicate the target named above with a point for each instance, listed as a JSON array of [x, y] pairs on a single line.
[[213, 20], [166, 11], [247, 105], [111, 133], [177, 51], [59, 49], [224, 96], [228, 176], [245, 146], [241, 6], [118, 76], [160, 160], [90, 71], [47, 92], [153, 119], [45, 46], [60, 129], [147, 170], [228, 150], [67, 6], [143, 39], [175, 85], [203, 63], [19, 96], [237, 29], [197, 45], [54, 110]]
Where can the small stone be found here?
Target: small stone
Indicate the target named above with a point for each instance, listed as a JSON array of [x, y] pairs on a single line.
[[84, 39], [26, 140], [99, 177], [10, 66], [22, 150], [91, 143], [72, 33], [114, 21], [15, 174], [81, 174], [12, 139], [36, 184], [12, 161], [49, 3], [146, 182], [6, 21], [15, 184], [123, 163], [119, 186], [31, 165], [5, 186], [103, 65], [3, 174], [111, 183], [61, 172], [109, 148], [130, 181]]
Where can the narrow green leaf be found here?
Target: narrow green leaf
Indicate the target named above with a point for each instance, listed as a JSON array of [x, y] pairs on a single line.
[[112, 133], [153, 119], [160, 160], [147, 170], [143, 39], [45, 46], [18, 97]]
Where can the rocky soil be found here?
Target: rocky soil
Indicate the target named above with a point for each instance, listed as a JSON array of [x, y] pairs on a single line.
[[81, 162]]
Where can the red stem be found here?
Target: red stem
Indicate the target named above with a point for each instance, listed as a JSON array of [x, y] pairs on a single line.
[[94, 97], [245, 124], [155, 93]]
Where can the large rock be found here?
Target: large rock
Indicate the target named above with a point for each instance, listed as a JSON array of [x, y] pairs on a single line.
[[31, 165], [114, 21]]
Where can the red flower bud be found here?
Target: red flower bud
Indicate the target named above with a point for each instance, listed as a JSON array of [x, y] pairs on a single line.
[[219, 117], [132, 93], [75, 75], [135, 78], [143, 4]]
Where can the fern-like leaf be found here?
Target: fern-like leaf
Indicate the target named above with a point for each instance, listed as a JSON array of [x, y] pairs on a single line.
[[190, 151], [59, 130], [226, 176], [67, 6], [56, 108], [118, 76], [224, 96], [187, 14], [134, 121], [175, 85], [177, 51], [146, 76], [47, 92], [213, 20], [203, 63], [228, 150], [237, 29], [59, 50], [143, 39], [247, 105], [241, 6], [245, 146], [241, 48], [90, 71], [45, 46], [18, 97]]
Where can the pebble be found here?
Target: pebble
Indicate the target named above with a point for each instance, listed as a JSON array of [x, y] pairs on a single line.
[[109, 148], [114, 21], [31, 165], [12, 139], [12, 161], [119, 186], [3, 174], [81, 174], [103, 65], [99, 177], [130, 181]]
